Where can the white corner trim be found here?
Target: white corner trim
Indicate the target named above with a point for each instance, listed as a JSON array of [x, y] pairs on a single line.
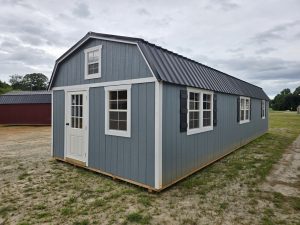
[[87, 126], [158, 134], [95, 75], [52, 140], [65, 121], [119, 133], [108, 83], [201, 128]]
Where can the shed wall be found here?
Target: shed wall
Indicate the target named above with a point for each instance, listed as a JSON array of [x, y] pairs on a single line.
[[131, 158], [184, 153], [58, 123], [119, 61]]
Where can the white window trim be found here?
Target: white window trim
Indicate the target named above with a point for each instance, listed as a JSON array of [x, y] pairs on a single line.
[[201, 128], [264, 109], [119, 133], [95, 75], [248, 120]]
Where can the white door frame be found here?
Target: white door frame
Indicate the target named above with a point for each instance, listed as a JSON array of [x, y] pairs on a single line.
[[86, 119]]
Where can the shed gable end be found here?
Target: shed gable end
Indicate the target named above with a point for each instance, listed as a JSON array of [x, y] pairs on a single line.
[[119, 61]]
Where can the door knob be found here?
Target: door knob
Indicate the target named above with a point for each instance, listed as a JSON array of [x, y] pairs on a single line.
[[67, 124]]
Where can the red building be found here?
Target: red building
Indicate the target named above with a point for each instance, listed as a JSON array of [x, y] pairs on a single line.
[[25, 108]]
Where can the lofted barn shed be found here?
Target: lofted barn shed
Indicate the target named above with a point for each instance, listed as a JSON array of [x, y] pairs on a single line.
[[135, 111]]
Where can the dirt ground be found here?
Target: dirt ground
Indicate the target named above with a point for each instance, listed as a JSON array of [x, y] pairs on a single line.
[[285, 175], [22, 145], [35, 189]]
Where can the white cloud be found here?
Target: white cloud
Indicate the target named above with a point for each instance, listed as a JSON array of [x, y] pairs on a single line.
[[254, 40]]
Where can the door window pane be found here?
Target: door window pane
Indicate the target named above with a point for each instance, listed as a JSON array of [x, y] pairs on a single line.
[[77, 111]]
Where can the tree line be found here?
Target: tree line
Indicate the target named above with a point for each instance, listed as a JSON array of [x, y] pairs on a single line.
[[286, 100], [29, 82]]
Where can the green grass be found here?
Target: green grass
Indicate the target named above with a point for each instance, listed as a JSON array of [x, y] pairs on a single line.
[[71, 200], [40, 207], [6, 209], [137, 217], [145, 200], [67, 211], [23, 176], [82, 222], [99, 203], [295, 202], [42, 215]]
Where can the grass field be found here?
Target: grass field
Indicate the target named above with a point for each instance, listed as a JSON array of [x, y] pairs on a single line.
[[35, 189]]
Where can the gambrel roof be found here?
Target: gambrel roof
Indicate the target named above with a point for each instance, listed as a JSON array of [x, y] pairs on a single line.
[[173, 68]]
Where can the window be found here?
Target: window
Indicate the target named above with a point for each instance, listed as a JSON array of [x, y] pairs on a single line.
[[194, 110], [93, 62], [244, 109], [200, 109], [263, 109], [118, 110]]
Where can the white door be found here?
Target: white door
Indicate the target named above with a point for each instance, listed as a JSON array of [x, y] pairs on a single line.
[[76, 125]]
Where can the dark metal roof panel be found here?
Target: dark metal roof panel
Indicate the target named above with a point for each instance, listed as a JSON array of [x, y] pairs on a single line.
[[43, 92], [177, 69], [25, 98]]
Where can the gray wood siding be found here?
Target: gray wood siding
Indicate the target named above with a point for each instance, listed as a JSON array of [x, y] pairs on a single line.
[[119, 61], [184, 153], [131, 158], [58, 123]]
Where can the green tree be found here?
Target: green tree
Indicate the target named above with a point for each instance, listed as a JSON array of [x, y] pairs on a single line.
[[285, 91], [35, 81], [16, 82], [297, 91], [4, 87], [286, 100], [30, 82]]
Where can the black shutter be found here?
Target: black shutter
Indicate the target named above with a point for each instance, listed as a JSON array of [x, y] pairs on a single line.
[[238, 109], [215, 110], [250, 111], [183, 110]]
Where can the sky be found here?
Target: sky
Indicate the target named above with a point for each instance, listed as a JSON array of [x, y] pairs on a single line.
[[257, 41]]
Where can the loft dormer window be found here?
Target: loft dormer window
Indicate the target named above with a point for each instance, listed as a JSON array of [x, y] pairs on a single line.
[[93, 62]]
